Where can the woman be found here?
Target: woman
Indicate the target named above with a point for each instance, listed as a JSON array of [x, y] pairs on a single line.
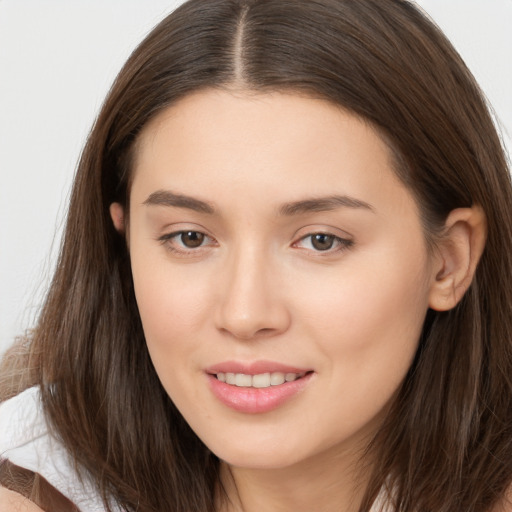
[[285, 278]]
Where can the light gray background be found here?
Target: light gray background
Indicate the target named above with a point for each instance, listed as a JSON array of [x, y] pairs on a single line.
[[57, 61]]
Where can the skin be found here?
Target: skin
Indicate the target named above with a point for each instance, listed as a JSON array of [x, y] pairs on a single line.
[[256, 288], [13, 502]]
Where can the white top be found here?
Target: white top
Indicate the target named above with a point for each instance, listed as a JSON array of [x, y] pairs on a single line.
[[25, 441]]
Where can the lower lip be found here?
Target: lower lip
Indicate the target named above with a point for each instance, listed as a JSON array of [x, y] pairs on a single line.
[[256, 400]]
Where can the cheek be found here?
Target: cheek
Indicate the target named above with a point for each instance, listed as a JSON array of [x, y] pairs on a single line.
[[168, 301], [367, 330], [162, 309], [388, 308], [171, 315], [367, 321]]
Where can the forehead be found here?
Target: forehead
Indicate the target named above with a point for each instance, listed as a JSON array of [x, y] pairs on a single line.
[[280, 146]]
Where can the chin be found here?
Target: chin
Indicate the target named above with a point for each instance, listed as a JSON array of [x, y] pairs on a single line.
[[272, 456], [259, 461]]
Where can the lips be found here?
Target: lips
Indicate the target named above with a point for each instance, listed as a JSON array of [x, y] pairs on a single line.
[[258, 387], [254, 368]]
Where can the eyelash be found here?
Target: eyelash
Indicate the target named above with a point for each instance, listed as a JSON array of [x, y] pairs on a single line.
[[339, 243], [168, 239]]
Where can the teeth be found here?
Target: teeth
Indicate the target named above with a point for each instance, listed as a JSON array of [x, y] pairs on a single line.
[[243, 381], [277, 378], [262, 380]]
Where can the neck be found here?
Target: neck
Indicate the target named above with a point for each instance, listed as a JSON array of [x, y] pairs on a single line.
[[327, 482]]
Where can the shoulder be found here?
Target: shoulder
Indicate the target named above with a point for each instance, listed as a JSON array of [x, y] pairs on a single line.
[[19, 425], [23, 430], [21, 420], [27, 441], [506, 504], [11, 501]]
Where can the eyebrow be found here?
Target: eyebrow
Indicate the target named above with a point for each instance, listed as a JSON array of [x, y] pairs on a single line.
[[168, 198], [322, 204], [319, 204]]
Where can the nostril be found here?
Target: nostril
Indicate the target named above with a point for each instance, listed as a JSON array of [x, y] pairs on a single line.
[[254, 315], [247, 335]]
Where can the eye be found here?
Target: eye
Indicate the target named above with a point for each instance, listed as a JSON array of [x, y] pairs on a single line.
[[323, 242], [191, 239], [182, 241]]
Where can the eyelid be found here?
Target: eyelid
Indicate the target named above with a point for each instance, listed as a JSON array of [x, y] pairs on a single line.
[[180, 250], [343, 240], [174, 234], [342, 243]]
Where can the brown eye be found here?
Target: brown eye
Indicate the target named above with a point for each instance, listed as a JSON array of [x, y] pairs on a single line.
[[192, 239], [322, 241]]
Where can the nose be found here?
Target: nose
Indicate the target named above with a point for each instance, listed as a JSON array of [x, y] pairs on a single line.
[[251, 304]]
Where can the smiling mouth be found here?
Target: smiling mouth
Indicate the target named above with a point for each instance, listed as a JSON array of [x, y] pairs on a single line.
[[257, 393], [261, 380]]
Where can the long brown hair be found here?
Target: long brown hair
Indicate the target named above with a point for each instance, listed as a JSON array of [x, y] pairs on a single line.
[[447, 443]]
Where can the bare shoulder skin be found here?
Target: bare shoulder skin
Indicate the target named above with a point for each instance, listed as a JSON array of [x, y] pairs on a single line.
[[506, 504], [11, 501]]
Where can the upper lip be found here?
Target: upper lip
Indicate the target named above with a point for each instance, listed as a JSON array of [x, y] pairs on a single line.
[[254, 368]]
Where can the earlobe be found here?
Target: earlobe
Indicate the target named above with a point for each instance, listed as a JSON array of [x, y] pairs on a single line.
[[458, 253], [117, 215]]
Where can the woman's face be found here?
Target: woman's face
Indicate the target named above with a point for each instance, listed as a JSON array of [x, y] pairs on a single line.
[[272, 246]]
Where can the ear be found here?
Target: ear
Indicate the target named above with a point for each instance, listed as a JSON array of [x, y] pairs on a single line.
[[458, 253], [117, 215]]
